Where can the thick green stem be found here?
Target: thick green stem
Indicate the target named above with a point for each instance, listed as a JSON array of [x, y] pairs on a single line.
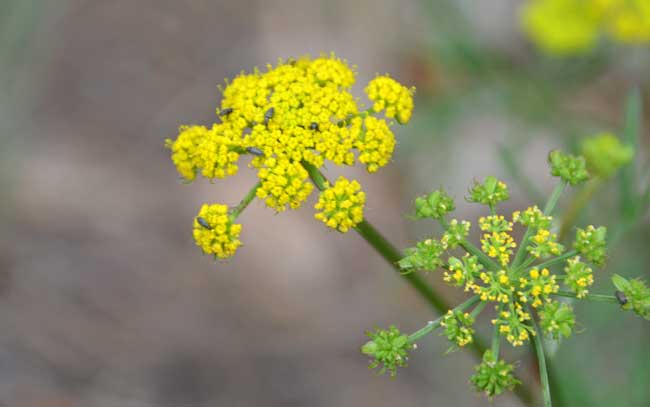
[[541, 359], [237, 210], [432, 325], [392, 256], [588, 297], [548, 209]]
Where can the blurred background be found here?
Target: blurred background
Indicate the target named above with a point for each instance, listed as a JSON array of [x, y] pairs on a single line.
[[106, 301]]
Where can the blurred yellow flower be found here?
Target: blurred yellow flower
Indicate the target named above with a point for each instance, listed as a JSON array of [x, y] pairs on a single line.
[[575, 26]]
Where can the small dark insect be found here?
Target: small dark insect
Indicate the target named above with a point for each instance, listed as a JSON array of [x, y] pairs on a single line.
[[203, 223], [225, 112], [268, 115], [621, 297], [255, 151], [313, 126]]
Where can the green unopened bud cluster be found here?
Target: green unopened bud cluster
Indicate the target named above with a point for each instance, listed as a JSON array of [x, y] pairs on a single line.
[[388, 349], [458, 327], [557, 319], [636, 295], [493, 376], [591, 243], [572, 169], [489, 192], [424, 256], [435, 205]]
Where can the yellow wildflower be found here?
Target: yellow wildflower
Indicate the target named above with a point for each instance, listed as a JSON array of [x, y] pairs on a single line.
[[341, 205], [391, 96], [376, 144], [214, 231], [283, 183]]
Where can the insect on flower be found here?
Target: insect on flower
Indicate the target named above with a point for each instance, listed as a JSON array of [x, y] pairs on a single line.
[[620, 297], [268, 115], [255, 151], [313, 126], [226, 112], [203, 223]]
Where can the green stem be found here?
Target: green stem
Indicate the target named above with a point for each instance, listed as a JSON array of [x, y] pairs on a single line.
[[386, 250], [392, 256], [541, 359], [577, 204], [496, 337], [555, 196], [558, 259], [248, 198], [479, 308], [588, 297], [548, 209], [432, 325]]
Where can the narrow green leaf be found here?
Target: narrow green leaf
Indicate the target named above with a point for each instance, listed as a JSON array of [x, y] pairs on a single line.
[[631, 129]]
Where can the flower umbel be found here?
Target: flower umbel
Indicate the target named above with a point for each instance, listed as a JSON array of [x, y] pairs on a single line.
[[290, 120], [214, 231], [520, 282]]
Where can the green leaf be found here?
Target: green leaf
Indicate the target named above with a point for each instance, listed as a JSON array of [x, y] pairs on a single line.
[[631, 129], [620, 283]]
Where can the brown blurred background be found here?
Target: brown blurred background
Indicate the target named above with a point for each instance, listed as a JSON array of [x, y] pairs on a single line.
[[105, 300]]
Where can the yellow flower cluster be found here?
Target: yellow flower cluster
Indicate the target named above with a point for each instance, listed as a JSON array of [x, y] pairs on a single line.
[[341, 205], [283, 183], [574, 26], [290, 119], [512, 324], [215, 232], [376, 145], [540, 285], [391, 96], [498, 245], [208, 150]]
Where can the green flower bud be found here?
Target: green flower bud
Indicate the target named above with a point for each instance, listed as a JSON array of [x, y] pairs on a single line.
[[462, 272], [544, 244], [456, 233], [435, 205], [493, 376], [557, 319], [579, 276], [572, 169], [591, 243], [638, 295], [532, 217], [490, 192], [424, 256], [495, 224], [388, 350], [458, 327], [605, 154]]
